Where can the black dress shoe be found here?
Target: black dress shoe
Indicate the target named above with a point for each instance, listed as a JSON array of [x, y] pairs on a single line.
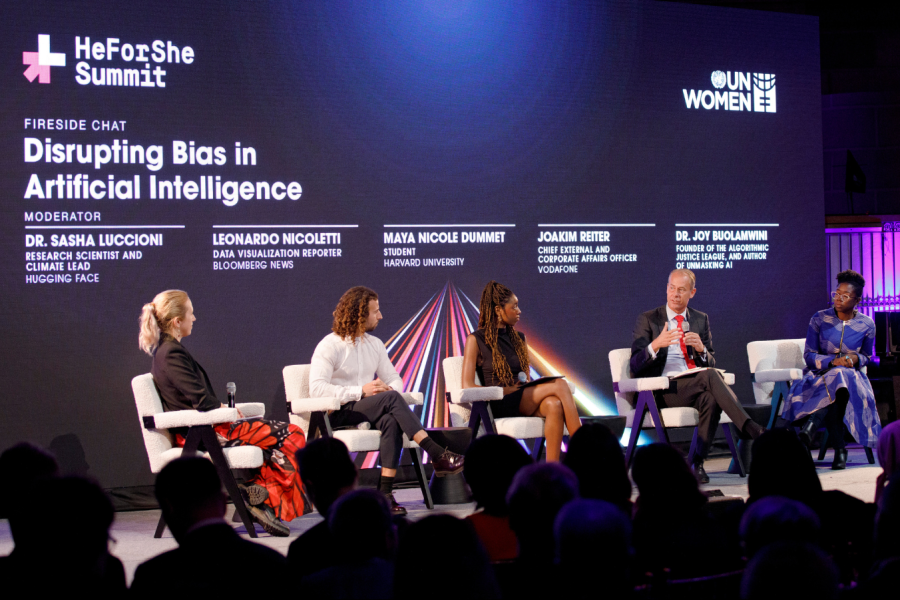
[[808, 432], [448, 463], [840, 459], [700, 473], [396, 509], [265, 516]]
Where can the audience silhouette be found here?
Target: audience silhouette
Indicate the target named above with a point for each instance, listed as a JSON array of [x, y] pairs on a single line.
[[673, 530], [537, 526], [596, 457], [777, 519], [20, 466], [888, 457], [782, 466], [537, 494], [364, 538], [211, 557], [472, 574], [790, 570], [594, 536], [885, 572], [492, 462], [77, 557], [32, 493], [327, 472]]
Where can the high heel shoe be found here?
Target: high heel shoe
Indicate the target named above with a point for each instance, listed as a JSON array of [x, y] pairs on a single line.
[[840, 459]]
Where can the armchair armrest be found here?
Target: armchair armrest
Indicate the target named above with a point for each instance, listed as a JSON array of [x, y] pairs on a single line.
[[305, 405], [251, 409], [414, 398], [642, 384], [776, 375], [729, 378], [189, 418], [476, 394]]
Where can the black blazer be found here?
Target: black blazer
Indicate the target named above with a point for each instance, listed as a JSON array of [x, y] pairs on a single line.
[[648, 327], [181, 381]]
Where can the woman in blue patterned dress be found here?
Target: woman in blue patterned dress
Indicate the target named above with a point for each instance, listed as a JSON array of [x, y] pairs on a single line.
[[833, 391]]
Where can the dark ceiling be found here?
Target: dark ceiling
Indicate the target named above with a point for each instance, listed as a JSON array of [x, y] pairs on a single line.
[[860, 41]]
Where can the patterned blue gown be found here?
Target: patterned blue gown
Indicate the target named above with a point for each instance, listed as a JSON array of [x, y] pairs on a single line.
[[826, 337]]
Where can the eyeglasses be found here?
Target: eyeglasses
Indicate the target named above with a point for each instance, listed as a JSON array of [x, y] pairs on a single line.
[[843, 297]]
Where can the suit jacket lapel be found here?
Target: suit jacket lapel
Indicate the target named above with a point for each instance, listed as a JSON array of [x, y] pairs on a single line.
[[657, 326]]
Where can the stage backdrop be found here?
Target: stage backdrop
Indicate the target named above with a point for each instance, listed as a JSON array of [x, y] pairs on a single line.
[[265, 157]]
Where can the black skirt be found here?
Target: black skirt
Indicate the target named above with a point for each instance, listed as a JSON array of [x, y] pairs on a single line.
[[508, 406]]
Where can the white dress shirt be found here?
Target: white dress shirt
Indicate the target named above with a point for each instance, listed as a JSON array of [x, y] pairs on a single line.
[[675, 362], [340, 368]]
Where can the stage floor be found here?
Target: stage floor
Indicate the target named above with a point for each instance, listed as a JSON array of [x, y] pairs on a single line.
[[133, 540]]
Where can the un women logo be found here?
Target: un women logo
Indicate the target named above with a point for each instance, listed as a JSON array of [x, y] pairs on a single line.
[[718, 79]]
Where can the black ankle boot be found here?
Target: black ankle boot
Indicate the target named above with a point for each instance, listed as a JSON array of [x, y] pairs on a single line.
[[840, 459], [808, 432]]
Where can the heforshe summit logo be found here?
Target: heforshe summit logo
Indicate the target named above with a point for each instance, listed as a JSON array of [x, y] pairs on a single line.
[[40, 62], [746, 92], [129, 64]]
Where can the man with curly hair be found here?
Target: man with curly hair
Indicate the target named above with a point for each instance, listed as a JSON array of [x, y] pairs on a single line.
[[353, 366]]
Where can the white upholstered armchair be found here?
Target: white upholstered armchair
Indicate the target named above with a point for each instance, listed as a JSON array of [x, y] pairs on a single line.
[[311, 415], [159, 443], [470, 407], [774, 364], [649, 416]]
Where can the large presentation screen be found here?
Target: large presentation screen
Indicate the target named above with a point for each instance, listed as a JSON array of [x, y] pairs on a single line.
[[266, 157]]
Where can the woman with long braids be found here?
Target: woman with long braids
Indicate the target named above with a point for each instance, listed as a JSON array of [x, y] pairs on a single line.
[[497, 353], [275, 493]]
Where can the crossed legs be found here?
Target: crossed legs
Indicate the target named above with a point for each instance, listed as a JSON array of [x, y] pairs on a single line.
[[710, 395], [553, 401]]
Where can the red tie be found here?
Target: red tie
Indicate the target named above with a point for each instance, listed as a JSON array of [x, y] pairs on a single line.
[[690, 362]]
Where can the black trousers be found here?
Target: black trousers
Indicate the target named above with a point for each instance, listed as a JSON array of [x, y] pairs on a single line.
[[389, 413], [710, 395]]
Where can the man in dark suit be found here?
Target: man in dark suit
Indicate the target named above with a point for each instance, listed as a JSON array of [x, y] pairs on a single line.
[[664, 346], [211, 557]]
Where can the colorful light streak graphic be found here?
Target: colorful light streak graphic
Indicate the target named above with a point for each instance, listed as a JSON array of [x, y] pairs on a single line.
[[438, 330]]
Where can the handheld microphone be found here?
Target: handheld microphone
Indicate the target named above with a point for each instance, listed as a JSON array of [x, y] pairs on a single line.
[[686, 327], [230, 389], [523, 378]]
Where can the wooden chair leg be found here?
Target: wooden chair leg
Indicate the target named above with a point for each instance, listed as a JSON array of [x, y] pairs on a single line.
[[487, 417], [474, 420], [160, 527], [640, 410], [221, 463], [192, 441], [656, 416], [537, 450], [729, 437], [319, 422], [778, 395], [416, 456], [693, 449]]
